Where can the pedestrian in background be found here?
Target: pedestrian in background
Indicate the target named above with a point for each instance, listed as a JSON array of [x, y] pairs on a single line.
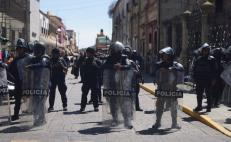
[[80, 63], [58, 73], [75, 68], [100, 77], [91, 79]]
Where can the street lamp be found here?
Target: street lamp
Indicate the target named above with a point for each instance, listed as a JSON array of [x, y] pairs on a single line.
[[207, 7], [57, 32], [186, 14]]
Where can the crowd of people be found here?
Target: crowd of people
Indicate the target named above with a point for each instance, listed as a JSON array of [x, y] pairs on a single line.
[[207, 71], [90, 66], [30, 65], [119, 72]]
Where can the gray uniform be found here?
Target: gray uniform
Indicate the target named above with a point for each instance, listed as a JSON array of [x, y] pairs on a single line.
[[167, 78]]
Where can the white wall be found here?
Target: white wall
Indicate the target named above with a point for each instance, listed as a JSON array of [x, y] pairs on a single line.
[[34, 20], [44, 22]]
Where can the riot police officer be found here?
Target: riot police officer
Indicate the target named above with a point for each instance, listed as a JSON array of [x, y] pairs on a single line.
[[58, 73], [204, 74], [118, 75], [16, 70], [167, 76], [91, 79], [137, 58], [138, 75], [219, 83], [80, 63], [39, 80]]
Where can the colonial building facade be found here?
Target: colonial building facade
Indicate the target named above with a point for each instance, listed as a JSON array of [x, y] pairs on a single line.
[[72, 42], [149, 25]]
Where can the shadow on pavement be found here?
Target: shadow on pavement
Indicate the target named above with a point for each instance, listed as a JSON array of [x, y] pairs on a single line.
[[151, 131], [228, 121], [188, 119], [55, 111], [98, 123], [16, 129], [7, 123], [77, 104], [97, 131], [77, 112], [73, 112], [149, 111]]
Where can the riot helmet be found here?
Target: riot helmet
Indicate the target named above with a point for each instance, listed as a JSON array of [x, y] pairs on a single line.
[[127, 51], [90, 51], [55, 53], [205, 46], [21, 43], [167, 54], [167, 50], [217, 52], [116, 49], [39, 49], [21, 47], [30, 46], [205, 49]]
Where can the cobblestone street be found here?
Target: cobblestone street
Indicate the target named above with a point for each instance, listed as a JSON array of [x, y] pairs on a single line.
[[71, 126]]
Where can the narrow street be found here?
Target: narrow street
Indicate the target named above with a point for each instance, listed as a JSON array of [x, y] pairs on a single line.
[[71, 126]]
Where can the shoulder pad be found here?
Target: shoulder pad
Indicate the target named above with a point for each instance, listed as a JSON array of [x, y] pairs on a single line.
[[178, 66], [159, 64], [211, 58], [131, 61], [29, 56], [46, 56]]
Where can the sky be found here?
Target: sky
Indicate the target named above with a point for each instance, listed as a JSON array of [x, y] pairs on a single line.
[[86, 17]]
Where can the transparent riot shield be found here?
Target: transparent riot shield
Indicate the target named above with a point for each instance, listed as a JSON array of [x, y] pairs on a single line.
[[4, 99], [225, 75], [40, 86], [119, 96], [35, 89], [26, 76], [169, 99]]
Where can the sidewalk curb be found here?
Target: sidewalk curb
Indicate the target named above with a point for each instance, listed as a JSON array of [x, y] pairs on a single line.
[[203, 118]]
